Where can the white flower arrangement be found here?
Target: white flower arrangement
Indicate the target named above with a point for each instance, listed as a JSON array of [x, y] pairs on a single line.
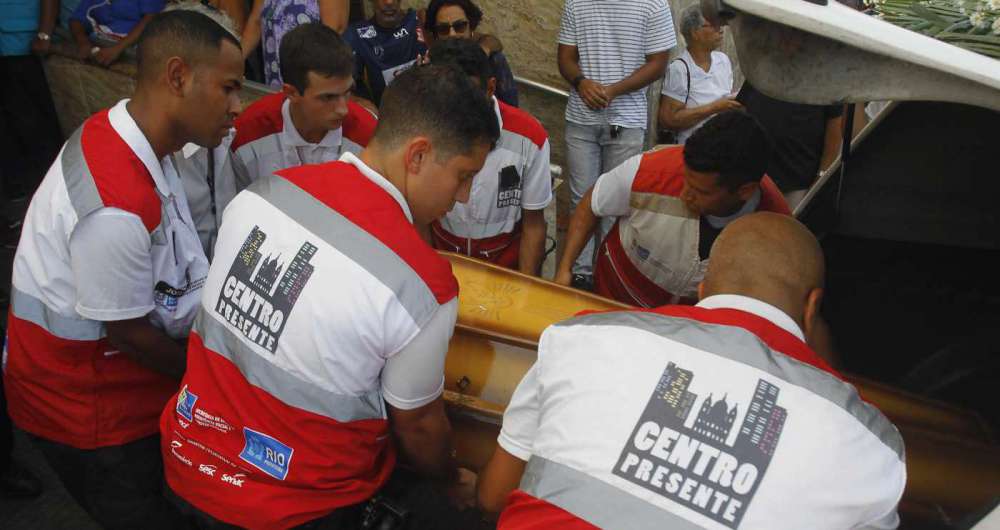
[[970, 24]]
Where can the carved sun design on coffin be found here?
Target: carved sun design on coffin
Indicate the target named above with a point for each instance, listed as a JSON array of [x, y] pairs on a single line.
[[489, 299]]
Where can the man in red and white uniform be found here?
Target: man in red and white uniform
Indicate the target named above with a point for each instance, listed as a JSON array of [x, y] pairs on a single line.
[[109, 271], [321, 308], [722, 416], [312, 120], [504, 220], [671, 204]]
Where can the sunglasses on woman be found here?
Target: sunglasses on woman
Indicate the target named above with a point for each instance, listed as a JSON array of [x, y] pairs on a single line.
[[458, 26]]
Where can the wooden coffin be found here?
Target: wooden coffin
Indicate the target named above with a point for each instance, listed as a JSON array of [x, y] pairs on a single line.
[[953, 465]]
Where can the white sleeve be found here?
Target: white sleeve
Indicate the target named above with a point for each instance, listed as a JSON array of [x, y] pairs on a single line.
[[538, 180], [520, 420], [659, 31], [110, 253], [613, 189], [730, 80], [675, 85], [567, 25], [414, 376]]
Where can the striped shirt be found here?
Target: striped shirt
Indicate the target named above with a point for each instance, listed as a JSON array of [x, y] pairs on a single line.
[[613, 39]]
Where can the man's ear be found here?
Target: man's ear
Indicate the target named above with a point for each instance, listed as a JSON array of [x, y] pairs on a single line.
[[417, 153], [747, 190], [178, 75], [290, 91], [491, 87], [810, 313]]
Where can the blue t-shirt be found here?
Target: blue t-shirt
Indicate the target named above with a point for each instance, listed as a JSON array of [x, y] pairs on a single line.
[[115, 19], [18, 26], [380, 54]]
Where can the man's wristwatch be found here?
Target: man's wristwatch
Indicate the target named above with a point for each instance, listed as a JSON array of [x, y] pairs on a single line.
[[576, 80], [43, 36]]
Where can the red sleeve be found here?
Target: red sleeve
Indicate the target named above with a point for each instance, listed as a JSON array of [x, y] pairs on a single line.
[[520, 122], [771, 198], [261, 118], [359, 125]]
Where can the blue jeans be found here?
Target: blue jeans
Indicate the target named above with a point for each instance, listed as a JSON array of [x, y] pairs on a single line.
[[591, 152]]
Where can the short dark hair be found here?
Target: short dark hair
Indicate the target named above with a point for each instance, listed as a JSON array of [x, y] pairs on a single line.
[[731, 144], [186, 34], [473, 13], [464, 54], [313, 47], [440, 102]]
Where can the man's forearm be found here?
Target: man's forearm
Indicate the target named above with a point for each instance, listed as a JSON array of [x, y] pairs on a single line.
[[581, 228], [148, 346], [647, 73], [425, 444], [133, 35], [832, 141], [532, 249], [48, 16], [569, 63], [79, 33], [683, 118]]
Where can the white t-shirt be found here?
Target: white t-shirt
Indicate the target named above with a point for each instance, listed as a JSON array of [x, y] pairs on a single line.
[[706, 87]]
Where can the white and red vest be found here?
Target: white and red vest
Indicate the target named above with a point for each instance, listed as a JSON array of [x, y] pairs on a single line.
[[695, 418], [516, 176], [267, 141], [650, 257], [280, 418], [64, 382]]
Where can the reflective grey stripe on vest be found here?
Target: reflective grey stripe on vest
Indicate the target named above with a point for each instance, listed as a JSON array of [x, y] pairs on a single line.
[[80, 183], [27, 307], [737, 344], [594, 500], [285, 386], [348, 238]]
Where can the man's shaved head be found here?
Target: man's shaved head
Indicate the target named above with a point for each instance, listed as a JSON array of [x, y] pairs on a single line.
[[770, 257], [192, 36]]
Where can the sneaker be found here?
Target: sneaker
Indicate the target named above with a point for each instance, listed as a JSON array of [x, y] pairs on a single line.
[[584, 282], [19, 483]]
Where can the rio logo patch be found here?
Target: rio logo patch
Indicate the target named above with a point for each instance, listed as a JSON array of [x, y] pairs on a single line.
[[185, 403], [266, 453]]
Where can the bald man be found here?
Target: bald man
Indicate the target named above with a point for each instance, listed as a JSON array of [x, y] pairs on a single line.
[[712, 416], [108, 274]]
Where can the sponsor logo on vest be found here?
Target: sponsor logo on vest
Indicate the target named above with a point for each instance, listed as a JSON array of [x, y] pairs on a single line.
[[693, 463], [509, 191], [207, 469], [401, 33], [185, 403], [266, 453], [235, 480], [367, 32], [174, 445], [212, 421], [166, 295], [256, 298]]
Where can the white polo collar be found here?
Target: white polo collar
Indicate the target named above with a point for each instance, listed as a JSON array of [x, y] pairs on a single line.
[[350, 158], [123, 124], [292, 137], [748, 207], [752, 305], [190, 149], [496, 108]]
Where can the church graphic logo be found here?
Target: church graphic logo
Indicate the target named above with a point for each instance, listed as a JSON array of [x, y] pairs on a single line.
[[261, 290], [509, 190], [693, 464]]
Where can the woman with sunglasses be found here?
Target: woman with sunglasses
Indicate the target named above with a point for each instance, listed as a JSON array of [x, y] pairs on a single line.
[[450, 19]]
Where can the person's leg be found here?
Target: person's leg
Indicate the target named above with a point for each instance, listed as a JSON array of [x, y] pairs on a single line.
[[614, 152], [583, 160], [31, 123], [15, 480], [119, 486]]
